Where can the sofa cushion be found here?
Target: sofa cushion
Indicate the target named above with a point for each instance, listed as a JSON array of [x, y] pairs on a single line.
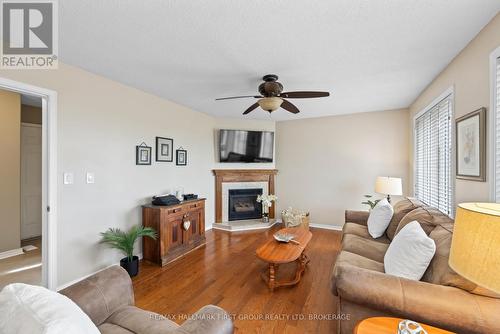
[[359, 261], [36, 310], [140, 321], [409, 253], [401, 209], [369, 248], [361, 231], [348, 258], [439, 227], [428, 218], [379, 218]]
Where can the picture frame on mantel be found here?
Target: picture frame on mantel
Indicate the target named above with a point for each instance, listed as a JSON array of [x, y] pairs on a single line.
[[164, 149], [471, 146]]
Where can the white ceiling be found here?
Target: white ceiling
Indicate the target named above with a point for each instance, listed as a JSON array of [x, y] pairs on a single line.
[[371, 55]]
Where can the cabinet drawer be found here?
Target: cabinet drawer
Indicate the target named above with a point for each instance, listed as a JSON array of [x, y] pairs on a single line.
[[175, 210], [196, 205]]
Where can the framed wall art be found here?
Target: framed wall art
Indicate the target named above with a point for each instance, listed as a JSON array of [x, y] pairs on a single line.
[[143, 154], [164, 149], [471, 146], [181, 157]]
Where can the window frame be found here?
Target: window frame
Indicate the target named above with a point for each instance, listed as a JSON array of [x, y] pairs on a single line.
[[450, 91], [491, 119]]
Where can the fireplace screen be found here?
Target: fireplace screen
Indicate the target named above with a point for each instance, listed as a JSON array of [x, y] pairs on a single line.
[[243, 204]]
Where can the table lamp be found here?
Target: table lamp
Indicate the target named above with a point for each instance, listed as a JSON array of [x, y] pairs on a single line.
[[475, 247], [389, 186]]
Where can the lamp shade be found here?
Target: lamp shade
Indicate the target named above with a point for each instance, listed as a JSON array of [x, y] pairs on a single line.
[[270, 103], [475, 247], [389, 185]]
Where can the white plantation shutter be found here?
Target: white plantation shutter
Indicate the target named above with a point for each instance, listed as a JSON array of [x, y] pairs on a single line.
[[497, 133], [433, 156]]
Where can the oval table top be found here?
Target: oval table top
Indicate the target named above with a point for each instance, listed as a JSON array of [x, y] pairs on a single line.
[[388, 325], [273, 251]]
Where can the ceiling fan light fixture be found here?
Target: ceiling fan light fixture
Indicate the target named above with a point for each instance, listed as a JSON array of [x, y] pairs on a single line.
[[270, 104]]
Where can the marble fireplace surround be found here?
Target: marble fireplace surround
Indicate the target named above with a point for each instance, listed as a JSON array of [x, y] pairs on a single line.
[[226, 179]]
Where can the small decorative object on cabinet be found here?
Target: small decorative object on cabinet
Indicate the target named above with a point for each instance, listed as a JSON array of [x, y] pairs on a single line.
[[181, 157], [267, 202], [294, 218], [143, 154], [164, 149], [125, 241], [181, 228], [471, 146]]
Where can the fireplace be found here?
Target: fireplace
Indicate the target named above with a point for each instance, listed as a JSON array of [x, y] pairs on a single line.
[[243, 204]]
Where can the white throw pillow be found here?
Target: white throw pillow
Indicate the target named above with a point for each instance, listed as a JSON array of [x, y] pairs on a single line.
[[33, 309], [409, 253], [379, 218]]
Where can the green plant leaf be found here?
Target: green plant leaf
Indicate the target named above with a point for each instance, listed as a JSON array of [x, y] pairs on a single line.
[[125, 241]]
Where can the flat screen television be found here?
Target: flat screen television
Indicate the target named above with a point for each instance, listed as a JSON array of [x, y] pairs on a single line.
[[246, 146]]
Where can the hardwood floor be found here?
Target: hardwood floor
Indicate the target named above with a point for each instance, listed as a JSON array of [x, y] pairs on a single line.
[[226, 272], [24, 268]]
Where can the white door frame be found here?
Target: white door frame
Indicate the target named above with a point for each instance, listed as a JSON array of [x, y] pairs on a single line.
[[491, 118], [49, 175]]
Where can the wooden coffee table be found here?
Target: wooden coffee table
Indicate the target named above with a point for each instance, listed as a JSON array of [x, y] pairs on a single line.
[[276, 253], [387, 325]]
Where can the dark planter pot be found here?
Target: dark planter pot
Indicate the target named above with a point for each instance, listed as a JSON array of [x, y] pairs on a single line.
[[132, 267]]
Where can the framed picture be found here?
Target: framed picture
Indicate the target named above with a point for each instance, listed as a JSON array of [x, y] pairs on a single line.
[[181, 157], [164, 149], [471, 146], [143, 154]]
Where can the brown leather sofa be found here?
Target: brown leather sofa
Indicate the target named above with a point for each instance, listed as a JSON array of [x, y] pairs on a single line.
[[442, 298], [108, 299]]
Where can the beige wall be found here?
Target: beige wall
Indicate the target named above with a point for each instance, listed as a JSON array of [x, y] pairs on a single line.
[[30, 114], [10, 170], [469, 74], [100, 122], [327, 164]]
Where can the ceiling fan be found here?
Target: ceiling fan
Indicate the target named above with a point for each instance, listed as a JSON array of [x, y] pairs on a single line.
[[272, 96]]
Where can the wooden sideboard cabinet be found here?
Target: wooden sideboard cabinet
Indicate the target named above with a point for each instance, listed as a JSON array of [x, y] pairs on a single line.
[[180, 228]]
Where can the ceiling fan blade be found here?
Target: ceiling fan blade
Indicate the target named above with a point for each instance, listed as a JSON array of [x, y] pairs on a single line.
[[237, 97], [252, 107], [304, 95], [289, 107]]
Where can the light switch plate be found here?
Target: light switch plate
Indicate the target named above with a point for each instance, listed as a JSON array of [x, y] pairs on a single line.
[[68, 178], [90, 178]]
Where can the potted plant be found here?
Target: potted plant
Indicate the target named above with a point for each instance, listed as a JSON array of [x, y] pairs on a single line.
[[125, 241], [369, 202], [267, 202]]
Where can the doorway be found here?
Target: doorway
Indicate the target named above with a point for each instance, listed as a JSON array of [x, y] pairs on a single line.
[[31, 255]]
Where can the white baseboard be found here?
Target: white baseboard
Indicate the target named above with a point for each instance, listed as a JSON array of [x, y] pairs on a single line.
[[327, 227], [10, 253], [65, 285]]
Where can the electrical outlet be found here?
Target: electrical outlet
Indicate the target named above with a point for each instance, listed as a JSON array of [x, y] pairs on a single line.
[[90, 178], [68, 178]]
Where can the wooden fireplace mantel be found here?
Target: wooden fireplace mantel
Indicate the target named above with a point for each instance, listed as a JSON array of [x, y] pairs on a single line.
[[241, 175]]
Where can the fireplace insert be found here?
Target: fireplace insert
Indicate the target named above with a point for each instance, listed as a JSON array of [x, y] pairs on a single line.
[[243, 204]]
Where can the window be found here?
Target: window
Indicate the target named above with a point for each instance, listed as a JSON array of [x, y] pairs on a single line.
[[433, 155], [496, 106]]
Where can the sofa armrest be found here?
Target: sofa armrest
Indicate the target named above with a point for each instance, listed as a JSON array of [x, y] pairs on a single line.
[[358, 217], [102, 293], [209, 319], [433, 304]]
